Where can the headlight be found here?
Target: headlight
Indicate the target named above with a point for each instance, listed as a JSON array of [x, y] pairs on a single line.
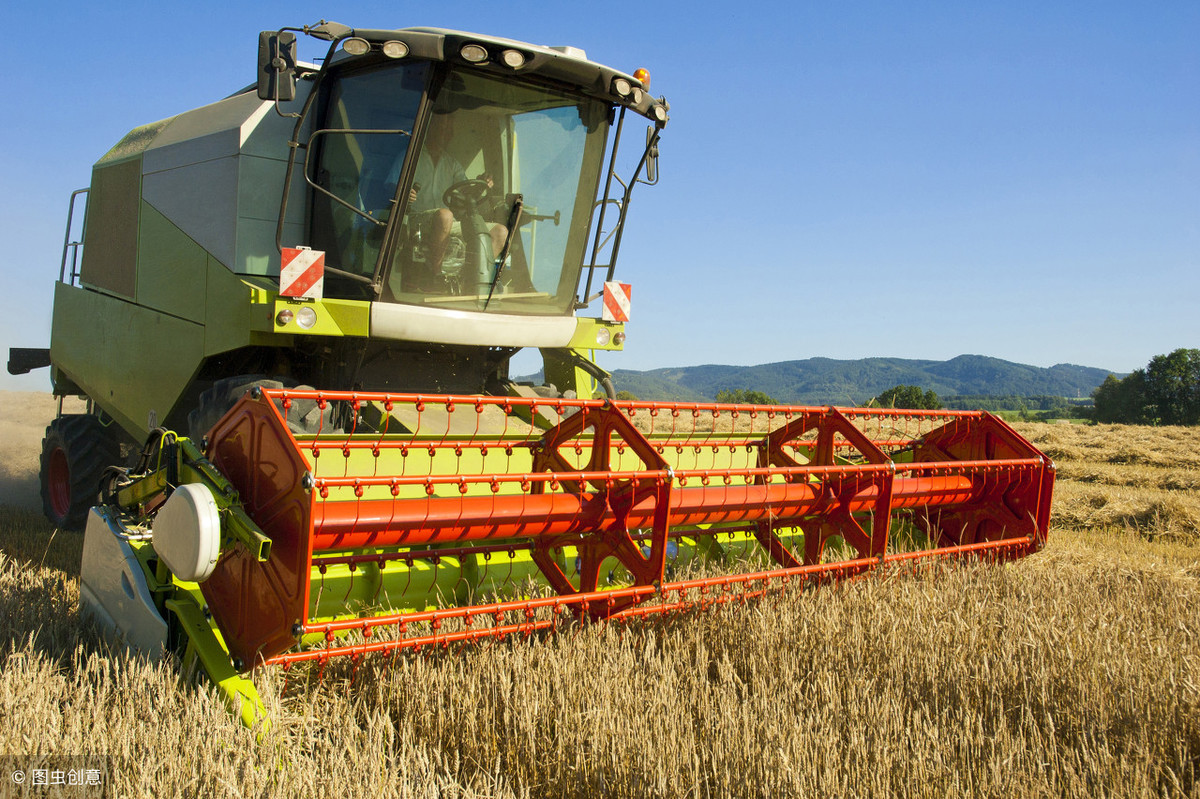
[[394, 49], [603, 335], [475, 53], [356, 46], [306, 317]]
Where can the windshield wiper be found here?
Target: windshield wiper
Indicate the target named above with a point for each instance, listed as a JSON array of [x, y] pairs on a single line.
[[514, 220]]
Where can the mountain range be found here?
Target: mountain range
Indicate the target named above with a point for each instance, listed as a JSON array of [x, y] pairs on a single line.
[[824, 381]]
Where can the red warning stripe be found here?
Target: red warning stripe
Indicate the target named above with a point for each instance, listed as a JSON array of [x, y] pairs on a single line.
[[301, 272], [616, 301]]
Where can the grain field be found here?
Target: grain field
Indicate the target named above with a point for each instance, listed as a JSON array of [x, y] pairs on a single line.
[[1075, 672]]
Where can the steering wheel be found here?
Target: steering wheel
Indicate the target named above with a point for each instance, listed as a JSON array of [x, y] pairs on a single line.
[[464, 196]]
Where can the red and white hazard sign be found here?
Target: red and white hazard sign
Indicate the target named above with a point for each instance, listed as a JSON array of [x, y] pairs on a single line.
[[302, 273], [616, 301]]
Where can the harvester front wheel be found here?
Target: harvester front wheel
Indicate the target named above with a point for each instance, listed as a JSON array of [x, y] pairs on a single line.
[[75, 452], [303, 417]]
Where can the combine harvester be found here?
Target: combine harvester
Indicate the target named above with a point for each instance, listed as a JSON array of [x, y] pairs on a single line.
[[392, 227]]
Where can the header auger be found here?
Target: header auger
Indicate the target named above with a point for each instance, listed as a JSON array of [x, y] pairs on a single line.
[[322, 280], [439, 534]]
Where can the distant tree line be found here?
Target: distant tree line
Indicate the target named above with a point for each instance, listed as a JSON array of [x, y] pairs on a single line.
[[746, 396], [1037, 405], [910, 397], [1032, 408], [1167, 391], [737, 396]]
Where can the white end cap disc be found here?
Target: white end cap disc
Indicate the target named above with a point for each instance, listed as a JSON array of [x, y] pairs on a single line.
[[187, 533]]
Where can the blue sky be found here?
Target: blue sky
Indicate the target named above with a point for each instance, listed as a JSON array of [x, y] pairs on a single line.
[[850, 179]]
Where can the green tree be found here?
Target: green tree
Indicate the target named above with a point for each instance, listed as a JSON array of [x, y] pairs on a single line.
[[911, 397], [1122, 400], [1167, 391], [745, 396], [1173, 386], [626, 395]]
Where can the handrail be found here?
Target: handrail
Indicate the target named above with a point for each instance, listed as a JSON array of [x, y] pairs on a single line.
[[72, 246]]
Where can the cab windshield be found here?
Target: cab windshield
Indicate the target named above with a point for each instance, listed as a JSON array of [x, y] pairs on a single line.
[[494, 204]]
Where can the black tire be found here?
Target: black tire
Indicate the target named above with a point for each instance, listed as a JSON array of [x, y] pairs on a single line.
[[75, 453], [304, 417]]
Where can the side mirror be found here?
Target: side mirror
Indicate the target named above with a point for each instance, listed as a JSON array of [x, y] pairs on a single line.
[[651, 155], [277, 66]]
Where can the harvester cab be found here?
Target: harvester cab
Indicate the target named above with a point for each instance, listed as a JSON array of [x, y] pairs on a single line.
[[467, 184], [322, 279]]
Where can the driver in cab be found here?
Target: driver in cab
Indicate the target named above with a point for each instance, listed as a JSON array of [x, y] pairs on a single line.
[[437, 170]]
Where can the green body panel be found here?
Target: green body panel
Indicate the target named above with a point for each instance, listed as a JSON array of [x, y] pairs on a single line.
[[178, 277], [260, 186], [129, 359], [176, 274], [237, 314], [561, 371], [133, 359]]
